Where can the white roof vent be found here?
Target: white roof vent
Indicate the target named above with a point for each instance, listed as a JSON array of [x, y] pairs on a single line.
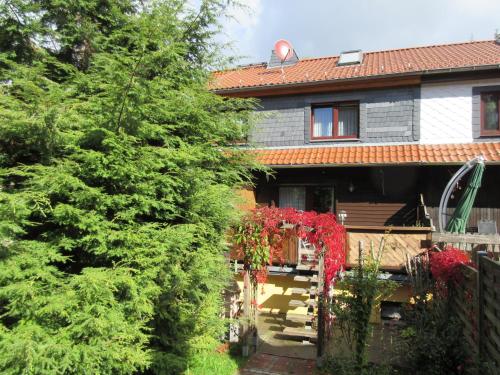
[[350, 58]]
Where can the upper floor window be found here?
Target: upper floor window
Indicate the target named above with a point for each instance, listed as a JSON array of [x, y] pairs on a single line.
[[335, 121], [490, 113]]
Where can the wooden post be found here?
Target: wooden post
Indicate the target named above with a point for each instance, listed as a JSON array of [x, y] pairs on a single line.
[[361, 250], [245, 324], [480, 302], [321, 309], [253, 319]]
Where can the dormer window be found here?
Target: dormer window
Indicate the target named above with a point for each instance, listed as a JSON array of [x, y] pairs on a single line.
[[490, 114], [335, 121]]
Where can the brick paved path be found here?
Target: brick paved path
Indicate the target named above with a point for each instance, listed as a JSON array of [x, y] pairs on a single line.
[[267, 364]]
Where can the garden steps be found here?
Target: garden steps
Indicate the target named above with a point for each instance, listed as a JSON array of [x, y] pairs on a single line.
[[307, 267], [302, 333], [306, 330], [307, 279], [311, 291], [300, 303], [299, 291], [299, 318]]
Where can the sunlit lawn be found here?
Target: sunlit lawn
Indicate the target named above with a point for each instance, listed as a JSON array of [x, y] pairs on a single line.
[[214, 363]]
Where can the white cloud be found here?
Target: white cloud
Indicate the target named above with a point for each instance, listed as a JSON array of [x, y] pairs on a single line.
[[326, 27], [242, 27], [247, 15]]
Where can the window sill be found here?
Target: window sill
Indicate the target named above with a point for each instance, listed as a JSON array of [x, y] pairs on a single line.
[[335, 140], [485, 136]]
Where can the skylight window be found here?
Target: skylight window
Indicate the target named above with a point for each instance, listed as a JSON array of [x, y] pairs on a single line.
[[350, 58]]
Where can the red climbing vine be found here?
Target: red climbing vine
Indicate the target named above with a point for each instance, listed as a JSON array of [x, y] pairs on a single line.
[[262, 233], [445, 264]]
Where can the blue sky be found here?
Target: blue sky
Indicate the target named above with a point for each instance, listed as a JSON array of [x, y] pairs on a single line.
[[327, 27]]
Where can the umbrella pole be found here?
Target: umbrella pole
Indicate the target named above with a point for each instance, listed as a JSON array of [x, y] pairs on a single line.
[[443, 204]]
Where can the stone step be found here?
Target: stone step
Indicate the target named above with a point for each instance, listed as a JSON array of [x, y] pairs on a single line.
[[300, 303], [307, 267], [306, 279], [300, 333], [310, 291], [299, 291], [299, 318]]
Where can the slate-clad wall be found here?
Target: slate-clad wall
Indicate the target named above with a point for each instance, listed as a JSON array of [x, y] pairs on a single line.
[[281, 122], [390, 115]]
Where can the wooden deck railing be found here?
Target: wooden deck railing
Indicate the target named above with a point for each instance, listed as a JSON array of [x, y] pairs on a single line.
[[472, 242]]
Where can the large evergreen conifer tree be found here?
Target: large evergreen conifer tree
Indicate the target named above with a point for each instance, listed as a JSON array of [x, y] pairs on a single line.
[[116, 177]]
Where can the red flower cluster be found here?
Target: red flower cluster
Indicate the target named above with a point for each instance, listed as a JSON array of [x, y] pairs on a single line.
[[445, 264], [262, 233]]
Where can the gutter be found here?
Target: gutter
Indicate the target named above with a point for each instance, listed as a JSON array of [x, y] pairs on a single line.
[[330, 165], [473, 68]]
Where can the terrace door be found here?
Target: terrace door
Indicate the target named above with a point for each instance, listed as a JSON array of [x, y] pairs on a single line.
[[315, 198], [321, 199]]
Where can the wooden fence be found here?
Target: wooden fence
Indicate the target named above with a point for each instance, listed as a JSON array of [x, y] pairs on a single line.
[[476, 299], [489, 310], [476, 302]]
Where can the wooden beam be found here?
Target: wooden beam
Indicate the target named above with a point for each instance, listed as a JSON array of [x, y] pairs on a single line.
[[388, 228], [316, 87]]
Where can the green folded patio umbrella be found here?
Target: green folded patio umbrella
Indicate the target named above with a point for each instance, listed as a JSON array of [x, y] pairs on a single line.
[[460, 217]]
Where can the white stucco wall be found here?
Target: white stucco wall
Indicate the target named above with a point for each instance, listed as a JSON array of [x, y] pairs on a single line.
[[446, 111]]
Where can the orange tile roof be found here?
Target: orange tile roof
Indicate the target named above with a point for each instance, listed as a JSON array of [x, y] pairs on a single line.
[[380, 155], [399, 61]]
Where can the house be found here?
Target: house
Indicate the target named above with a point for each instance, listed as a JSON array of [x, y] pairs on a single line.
[[374, 137]]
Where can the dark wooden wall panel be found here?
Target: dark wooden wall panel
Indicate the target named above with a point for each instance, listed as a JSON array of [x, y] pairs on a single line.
[[385, 195], [378, 214]]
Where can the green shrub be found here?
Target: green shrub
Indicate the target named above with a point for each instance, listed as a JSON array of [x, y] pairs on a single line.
[[433, 342], [117, 172], [353, 305]]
